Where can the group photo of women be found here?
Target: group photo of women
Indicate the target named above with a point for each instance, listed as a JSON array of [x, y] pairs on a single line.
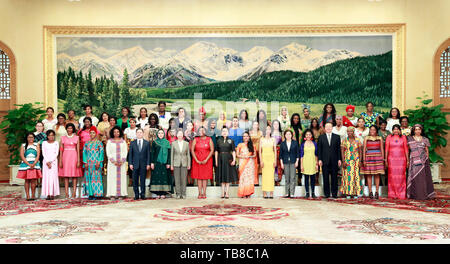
[[166, 152]]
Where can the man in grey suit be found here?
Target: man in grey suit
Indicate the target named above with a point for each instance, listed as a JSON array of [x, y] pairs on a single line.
[[180, 160], [139, 160]]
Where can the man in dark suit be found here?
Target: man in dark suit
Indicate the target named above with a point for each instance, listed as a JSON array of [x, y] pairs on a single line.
[[329, 150], [139, 161]]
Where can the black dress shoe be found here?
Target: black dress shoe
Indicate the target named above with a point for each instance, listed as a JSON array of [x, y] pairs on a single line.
[[334, 197], [313, 196], [136, 198], [143, 198]]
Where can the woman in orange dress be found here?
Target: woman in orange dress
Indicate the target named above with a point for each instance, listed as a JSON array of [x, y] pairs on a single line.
[[246, 154]]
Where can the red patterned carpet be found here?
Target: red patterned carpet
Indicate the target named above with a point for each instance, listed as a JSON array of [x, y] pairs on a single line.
[[441, 204], [13, 204]]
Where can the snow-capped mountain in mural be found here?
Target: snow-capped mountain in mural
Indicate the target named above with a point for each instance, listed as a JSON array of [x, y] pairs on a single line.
[[199, 63]]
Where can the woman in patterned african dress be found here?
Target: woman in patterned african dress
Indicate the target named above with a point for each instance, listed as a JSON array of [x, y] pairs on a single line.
[[93, 163], [351, 151]]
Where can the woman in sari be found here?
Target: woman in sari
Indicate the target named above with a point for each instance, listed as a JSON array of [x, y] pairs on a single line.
[[93, 162], [161, 180], [246, 154]]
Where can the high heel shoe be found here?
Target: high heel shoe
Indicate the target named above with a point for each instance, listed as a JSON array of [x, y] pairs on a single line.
[[371, 195], [377, 196]]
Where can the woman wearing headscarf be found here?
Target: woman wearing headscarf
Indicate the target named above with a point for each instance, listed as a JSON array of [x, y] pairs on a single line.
[[161, 180], [350, 119]]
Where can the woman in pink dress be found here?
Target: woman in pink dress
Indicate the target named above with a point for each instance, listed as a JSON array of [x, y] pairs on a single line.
[[397, 162], [50, 150], [202, 150], [69, 162]]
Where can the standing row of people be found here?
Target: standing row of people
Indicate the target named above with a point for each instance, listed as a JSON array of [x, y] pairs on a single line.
[[237, 147]]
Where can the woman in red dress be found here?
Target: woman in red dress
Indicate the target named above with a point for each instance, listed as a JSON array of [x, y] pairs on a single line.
[[202, 150], [397, 162]]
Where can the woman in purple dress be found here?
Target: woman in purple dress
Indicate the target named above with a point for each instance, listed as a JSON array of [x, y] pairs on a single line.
[[420, 182]]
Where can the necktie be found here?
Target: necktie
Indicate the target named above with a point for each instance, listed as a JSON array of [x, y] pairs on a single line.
[[140, 145], [329, 139]]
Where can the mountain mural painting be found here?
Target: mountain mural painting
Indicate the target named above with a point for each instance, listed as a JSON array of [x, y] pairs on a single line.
[[306, 69]]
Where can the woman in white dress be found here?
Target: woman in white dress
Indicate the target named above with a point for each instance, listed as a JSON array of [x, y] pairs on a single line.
[[116, 150], [50, 121], [393, 119]]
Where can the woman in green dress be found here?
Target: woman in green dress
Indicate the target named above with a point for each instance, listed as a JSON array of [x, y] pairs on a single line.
[[161, 180], [93, 152]]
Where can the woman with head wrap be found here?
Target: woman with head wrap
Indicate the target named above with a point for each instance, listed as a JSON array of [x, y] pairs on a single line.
[[350, 119], [161, 180]]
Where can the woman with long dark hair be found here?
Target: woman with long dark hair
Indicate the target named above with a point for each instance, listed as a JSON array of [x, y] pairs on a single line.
[[328, 115], [246, 154], [420, 183], [296, 126]]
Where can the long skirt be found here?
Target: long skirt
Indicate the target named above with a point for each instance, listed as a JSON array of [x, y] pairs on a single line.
[[246, 177]]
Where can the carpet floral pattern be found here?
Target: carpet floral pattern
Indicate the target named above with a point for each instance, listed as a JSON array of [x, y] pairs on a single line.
[[439, 205], [222, 212], [396, 228], [47, 230], [222, 234], [13, 204]]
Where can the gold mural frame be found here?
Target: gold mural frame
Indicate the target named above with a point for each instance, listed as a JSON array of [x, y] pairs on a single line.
[[398, 32]]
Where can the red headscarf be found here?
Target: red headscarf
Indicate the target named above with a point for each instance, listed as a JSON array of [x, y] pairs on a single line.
[[350, 107], [93, 128]]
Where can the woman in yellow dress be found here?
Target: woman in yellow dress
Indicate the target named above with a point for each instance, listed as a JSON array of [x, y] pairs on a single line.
[[267, 152], [255, 135]]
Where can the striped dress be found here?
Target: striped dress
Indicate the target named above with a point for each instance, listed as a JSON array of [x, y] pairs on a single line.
[[25, 171], [374, 159]]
